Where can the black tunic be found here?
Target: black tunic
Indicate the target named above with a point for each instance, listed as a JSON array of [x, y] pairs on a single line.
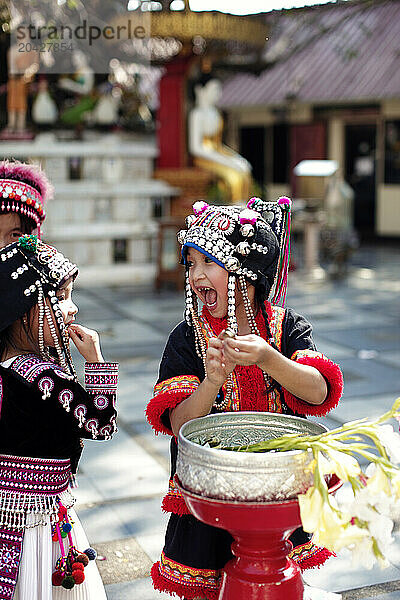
[[189, 544]]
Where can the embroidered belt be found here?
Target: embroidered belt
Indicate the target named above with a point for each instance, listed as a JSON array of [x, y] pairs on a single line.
[[28, 486]]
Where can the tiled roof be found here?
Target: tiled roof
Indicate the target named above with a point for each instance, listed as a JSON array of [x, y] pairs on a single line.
[[348, 51]]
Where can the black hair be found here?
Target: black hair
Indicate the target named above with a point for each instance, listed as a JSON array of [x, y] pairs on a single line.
[[259, 299], [27, 225], [7, 339]]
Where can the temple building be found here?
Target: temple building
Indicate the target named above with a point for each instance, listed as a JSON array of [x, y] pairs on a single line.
[[328, 88]]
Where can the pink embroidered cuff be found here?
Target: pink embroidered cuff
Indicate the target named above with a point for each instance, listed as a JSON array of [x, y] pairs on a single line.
[[333, 376], [101, 378], [168, 394]]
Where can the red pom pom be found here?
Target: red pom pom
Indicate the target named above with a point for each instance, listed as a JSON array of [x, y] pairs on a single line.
[[57, 578], [78, 575], [62, 511], [82, 558], [77, 566], [55, 537]]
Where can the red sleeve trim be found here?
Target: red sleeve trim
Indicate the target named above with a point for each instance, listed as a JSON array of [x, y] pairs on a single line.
[[168, 394], [333, 375]]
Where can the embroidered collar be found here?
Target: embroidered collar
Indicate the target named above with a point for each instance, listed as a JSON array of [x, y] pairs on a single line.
[[218, 325]]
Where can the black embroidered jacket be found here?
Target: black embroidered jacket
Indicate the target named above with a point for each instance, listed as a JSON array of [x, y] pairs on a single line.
[[44, 413]]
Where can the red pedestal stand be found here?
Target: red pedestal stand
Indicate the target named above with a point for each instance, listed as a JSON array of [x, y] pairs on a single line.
[[261, 568]]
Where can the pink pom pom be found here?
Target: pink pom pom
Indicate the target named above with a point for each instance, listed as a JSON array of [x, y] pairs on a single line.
[[285, 200], [252, 201], [248, 216], [31, 174], [199, 207]]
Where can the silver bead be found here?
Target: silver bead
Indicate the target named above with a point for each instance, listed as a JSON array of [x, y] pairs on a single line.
[[232, 263], [243, 248], [247, 230], [181, 236], [190, 220]]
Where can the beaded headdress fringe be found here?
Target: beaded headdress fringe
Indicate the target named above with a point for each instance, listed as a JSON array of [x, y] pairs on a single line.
[[277, 294]]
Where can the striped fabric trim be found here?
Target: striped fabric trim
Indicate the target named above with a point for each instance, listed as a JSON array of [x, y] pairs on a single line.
[[30, 366], [180, 577], [101, 377], [179, 383]]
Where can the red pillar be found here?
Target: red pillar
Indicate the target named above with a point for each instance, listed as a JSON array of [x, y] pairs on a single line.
[[171, 116]]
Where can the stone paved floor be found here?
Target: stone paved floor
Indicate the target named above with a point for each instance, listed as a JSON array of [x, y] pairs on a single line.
[[356, 322]]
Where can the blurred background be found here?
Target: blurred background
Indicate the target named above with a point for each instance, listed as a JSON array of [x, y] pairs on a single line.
[[186, 104]]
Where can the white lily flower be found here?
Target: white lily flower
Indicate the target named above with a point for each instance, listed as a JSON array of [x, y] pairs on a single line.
[[330, 529], [381, 529], [351, 536], [363, 554], [396, 485], [365, 523], [344, 466], [391, 441], [379, 482], [370, 470], [311, 507]]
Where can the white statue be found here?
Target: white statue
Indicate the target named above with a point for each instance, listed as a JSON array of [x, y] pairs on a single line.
[[106, 110], [82, 80], [206, 147], [44, 109]]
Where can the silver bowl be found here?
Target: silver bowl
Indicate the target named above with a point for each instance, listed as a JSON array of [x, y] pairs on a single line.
[[244, 476]]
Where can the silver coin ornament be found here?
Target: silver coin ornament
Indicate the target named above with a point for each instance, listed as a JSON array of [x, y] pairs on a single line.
[[247, 230], [243, 248], [232, 264]]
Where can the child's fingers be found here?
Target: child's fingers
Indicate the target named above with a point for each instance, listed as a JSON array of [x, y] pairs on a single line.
[[239, 344], [236, 356], [77, 329], [230, 354], [73, 334], [214, 352], [215, 343]]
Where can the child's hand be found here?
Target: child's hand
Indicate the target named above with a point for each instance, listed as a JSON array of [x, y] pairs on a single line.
[[247, 350], [87, 342], [217, 365]]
